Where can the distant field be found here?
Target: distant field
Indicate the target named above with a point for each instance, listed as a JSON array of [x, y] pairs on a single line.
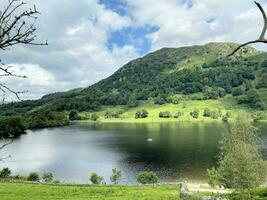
[[19, 191], [227, 104]]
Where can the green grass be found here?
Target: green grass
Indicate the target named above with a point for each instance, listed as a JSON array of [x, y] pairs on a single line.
[[227, 104], [24, 191]]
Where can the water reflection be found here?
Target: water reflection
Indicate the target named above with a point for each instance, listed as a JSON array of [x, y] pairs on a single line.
[[177, 150]]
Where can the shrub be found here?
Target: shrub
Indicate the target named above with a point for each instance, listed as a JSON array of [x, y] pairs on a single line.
[[176, 99], [141, 114], [165, 114], [213, 179], [96, 179], [73, 115], [94, 117], [214, 114], [195, 113], [225, 118], [207, 112], [238, 91], [47, 177], [5, 173], [147, 178], [33, 177], [115, 176]]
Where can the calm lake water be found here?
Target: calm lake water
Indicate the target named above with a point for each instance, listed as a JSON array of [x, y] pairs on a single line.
[[178, 151]]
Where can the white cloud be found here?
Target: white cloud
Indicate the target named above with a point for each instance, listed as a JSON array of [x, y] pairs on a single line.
[[78, 32], [38, 80]]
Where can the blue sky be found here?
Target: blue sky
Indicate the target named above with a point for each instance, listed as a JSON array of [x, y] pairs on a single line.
[[91, 39]]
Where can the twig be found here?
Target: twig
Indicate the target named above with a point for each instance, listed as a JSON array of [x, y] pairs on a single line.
[[262, 35]]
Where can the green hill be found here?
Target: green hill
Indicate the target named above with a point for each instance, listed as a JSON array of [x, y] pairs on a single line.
[[196, 75]]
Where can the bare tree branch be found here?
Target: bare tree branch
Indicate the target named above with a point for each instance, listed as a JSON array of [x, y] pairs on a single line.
[[16, 27], [262, 35]]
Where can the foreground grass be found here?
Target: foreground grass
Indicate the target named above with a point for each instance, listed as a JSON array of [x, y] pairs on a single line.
[[24, 191]]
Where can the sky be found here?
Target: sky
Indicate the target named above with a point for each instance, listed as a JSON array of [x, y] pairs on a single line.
[[90, 39]]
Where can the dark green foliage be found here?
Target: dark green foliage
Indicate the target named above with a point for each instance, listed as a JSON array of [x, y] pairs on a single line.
[[48, 177], [214, 114], [195, 113], [33, 177], [115, 176], [211, 93], [11, 127], [96, 179], [132, 102], [160, 100], [237, 91], [5, 173], [225, 119], [207, 112], [45, 118], [73, 115], [141, 114], [165, 114], [252, 99], [147, 178], [264, 63], [262, 82]]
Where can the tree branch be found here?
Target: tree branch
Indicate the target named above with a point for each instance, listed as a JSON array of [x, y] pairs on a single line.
[[16, 27], [262, 35]]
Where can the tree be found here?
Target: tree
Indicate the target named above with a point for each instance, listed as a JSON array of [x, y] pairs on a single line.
[[48, 177], [115, 176], [96, 179], [73, 115], [147, 178], [5, 173], [241, 166], [141, 114], [195, 113], [206, 112], [33, 177], [213, 179], [16, 27]]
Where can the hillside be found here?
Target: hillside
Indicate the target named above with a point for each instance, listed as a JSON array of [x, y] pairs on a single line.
[[167, 76]]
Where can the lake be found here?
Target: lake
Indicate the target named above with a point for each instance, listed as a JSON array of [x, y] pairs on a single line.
[[175, 151]]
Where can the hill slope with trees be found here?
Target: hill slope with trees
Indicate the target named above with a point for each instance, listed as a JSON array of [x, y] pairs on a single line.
[[195, 72]]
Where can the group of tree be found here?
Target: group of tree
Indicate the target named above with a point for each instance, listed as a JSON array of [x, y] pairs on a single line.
[[46, 177], [240, 165], [142, 177]]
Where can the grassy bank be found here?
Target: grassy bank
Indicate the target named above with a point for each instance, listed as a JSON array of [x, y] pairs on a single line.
[[24, 191], [226, 105], [31, 191]]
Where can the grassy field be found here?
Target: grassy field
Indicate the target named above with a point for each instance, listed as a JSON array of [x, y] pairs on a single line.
[[23, 191], [227, 104]]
